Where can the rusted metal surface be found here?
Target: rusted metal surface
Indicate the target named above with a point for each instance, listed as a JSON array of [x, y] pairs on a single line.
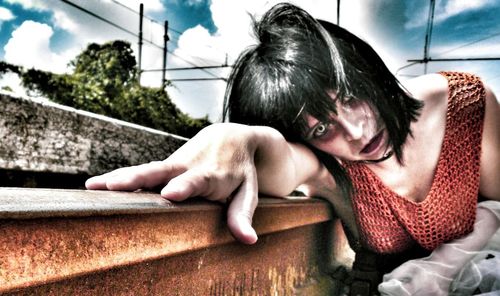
[[279, 264], [61, 242]]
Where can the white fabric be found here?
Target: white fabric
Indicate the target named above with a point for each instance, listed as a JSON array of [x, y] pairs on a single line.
[[455, 268]]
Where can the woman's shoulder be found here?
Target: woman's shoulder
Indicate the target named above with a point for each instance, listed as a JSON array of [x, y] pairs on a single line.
[[430, 88]]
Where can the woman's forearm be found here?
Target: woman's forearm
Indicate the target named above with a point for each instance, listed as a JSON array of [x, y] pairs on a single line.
[[283, 166]]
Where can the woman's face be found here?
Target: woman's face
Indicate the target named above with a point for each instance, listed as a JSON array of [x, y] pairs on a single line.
[[355, 133]]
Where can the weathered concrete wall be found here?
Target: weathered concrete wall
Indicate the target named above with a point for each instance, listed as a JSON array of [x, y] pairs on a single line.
[[41, 136]]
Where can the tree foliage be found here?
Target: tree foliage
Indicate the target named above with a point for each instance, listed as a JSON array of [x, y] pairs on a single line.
[[6, 67], [104, 80]]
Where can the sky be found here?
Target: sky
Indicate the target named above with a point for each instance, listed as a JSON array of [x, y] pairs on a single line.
[[48, 34]]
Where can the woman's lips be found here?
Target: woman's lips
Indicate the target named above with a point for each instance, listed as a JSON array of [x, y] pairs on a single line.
[[373, 144]]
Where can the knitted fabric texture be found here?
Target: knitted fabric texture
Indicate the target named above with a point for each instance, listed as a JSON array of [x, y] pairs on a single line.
[[389, 223]]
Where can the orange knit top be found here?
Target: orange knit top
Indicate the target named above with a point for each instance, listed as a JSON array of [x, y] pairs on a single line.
[[389, 223]]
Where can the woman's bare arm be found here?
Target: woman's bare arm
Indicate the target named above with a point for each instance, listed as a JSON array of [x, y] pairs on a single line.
[[224, 161], [490, 149]]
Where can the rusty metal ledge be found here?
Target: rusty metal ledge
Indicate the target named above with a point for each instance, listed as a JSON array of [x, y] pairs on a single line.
[[52, 236]]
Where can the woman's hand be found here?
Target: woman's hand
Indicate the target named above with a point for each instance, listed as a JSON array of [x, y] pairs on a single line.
[[218, 164], [226, 162]]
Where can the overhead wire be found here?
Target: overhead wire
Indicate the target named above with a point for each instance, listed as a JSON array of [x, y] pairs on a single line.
[[451, 50], [132, 33], [176, 39], [427, 57], [468, 44], [145, 16], [152, 20]]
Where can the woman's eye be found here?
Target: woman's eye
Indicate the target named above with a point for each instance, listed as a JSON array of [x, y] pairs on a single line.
[[349, 102], [320, 130]]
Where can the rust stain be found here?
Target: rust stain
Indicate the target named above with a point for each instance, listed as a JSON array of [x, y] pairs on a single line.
[[230, 269], [181, 250]]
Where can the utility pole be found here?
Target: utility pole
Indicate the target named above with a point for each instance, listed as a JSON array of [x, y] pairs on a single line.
[[338, 12], [141, 14], [427, 59], [164, 71], [428, 34]]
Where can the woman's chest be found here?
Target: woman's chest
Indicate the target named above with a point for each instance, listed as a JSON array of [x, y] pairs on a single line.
[[413, 178]]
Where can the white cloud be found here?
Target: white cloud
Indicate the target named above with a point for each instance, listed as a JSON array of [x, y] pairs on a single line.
[[195, 2], [200, 98], [478, 50], [86, 29], [452, 8], [190, 41], [149, 5], [443, 10], [30, 4], [232, 20], [12, 81], [63, 21], [29, 47], [5, 14]]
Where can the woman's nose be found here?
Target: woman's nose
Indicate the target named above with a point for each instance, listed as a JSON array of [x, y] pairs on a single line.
[[353, 129], [353, 121]]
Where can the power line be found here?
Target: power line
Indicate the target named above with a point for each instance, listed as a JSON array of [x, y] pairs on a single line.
[[128, 31], [155, 21], [192, 64], [152, 20], [171, 30], [405, 66], [408, 75], [455, 60], [426, 59], [197, 79], [189, 68], [136, 12], [203, 61], [100, 17], [470, 43]]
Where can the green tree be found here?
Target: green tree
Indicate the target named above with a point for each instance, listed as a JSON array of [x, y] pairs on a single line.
[[105, 81], [6, 67]]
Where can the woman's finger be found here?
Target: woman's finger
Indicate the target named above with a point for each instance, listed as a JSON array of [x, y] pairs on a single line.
[[242, 208], [200, 182], [97, 182], [147, 175]]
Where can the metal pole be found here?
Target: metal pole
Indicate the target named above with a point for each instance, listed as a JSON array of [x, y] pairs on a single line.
[[428, 34], [338, 12], [164, 69], [141, 14]]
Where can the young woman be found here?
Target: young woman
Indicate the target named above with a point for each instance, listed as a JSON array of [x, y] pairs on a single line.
[[313, 106]]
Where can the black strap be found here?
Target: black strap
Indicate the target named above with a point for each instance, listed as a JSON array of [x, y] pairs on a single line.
[[365, 274]]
